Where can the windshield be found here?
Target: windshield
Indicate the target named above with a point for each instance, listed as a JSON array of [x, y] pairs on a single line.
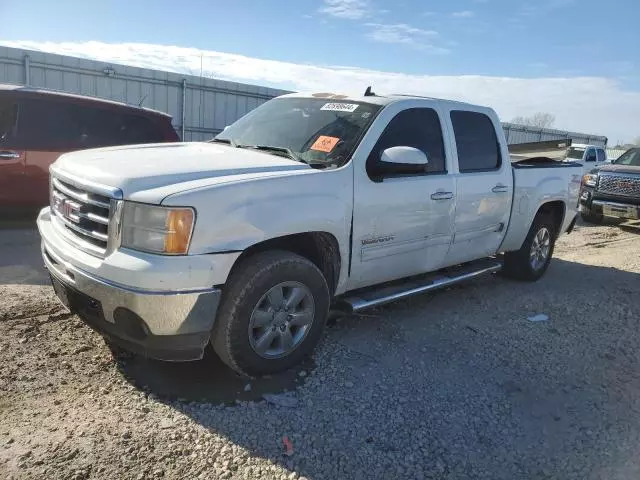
[[575, 153], [315, 130], [630, 157]]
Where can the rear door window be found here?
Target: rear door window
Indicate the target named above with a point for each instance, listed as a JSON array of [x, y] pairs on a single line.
[[8, 123], [601, 155], [476, 141], [591, 155], [49, 125]]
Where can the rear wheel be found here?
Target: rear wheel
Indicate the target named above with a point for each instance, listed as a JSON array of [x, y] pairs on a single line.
[[532, 260], [273, 311]]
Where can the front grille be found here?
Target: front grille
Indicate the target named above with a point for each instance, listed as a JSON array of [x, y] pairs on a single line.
[[82, 215], [619, 185]]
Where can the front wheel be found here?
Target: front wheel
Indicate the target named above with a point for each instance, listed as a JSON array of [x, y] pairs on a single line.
[[273, 311], [532, 260]]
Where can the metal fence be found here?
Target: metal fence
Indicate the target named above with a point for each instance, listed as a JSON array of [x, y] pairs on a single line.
[[523, 134], [200, 107]]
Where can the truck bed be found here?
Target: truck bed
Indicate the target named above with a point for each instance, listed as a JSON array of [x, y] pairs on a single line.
[[535, 184]]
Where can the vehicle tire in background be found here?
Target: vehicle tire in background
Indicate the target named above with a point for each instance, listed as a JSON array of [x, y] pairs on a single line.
[[273, 310], [532, 260], [590, 217]]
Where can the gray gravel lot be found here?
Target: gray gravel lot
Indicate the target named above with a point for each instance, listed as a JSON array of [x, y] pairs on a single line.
[[457, 384]]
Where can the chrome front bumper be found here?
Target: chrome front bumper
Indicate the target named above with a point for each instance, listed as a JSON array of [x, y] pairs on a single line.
[[159, 324], [615, 209]]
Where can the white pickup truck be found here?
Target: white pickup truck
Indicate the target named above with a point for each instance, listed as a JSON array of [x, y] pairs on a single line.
[[307, 203]]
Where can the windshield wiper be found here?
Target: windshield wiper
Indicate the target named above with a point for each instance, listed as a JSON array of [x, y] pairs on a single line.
[[268, 148], [228, 141]]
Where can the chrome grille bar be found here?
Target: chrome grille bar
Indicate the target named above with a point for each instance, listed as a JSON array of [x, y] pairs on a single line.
[[80, 196], [84, 215]]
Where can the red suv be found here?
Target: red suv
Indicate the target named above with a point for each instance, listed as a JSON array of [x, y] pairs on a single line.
[[37, 126]]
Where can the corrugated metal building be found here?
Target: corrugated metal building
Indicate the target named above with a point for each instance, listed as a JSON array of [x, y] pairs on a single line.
[[200, 107], [523, 134]]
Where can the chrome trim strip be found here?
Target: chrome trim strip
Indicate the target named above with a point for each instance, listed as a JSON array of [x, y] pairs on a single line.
[[95, 218], [614, 204], [84, 198], [115, 226], [88, 233], [106, 191], [75, 240]]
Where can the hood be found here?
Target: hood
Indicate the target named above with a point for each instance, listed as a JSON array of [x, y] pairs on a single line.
[[145, 167], [613, 168]]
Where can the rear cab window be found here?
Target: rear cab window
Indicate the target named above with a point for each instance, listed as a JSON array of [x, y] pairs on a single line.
[[476, 142]]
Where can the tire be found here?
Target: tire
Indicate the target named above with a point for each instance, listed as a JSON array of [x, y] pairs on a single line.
[[256, 332], [590, 217], [520, 264]]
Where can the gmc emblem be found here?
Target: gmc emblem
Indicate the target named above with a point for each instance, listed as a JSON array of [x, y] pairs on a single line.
[[67, 209]]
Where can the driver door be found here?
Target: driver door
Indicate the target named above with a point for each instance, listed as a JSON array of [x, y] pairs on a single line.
[[402, 223]]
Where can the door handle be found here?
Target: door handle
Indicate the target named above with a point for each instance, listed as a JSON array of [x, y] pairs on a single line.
[[442, 196], [500, 189], [8, 155]]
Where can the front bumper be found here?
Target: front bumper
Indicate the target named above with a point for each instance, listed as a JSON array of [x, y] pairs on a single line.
[[167, 324], [608, 208], [615, 209]]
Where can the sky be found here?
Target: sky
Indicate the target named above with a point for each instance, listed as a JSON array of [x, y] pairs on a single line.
[[576, 59]]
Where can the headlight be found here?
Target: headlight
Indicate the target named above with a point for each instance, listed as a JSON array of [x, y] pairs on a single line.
[[590, 180], [150, 228]]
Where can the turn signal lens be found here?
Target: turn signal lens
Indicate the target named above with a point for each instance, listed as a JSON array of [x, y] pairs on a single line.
[[179, 225]]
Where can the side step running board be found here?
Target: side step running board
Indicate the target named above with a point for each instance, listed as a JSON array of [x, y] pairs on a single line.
[[373, 297]]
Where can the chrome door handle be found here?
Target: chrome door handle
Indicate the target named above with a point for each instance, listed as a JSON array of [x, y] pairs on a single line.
[[500, 189], [7, 155], [442, 196]]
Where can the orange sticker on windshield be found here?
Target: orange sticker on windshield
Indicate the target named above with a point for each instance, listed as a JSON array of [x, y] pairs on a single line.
[[325, 144]]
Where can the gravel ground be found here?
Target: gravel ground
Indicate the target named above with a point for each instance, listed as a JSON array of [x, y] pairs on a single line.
[[457, 384]]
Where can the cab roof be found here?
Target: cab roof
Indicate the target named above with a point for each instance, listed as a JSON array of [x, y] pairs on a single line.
[[4, 87], [379, 99]]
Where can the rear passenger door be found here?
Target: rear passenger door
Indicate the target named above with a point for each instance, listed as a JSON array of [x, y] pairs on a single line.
[[484, 185], [403, 222]]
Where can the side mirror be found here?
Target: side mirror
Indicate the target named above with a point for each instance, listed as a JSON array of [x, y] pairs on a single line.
[[404, 156], [400, 161]]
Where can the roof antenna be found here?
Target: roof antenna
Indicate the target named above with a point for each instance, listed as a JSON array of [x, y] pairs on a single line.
[[369, 93]]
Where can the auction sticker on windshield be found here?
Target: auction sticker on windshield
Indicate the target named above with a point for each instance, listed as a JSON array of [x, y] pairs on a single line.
[[340, 107], [325, 144]]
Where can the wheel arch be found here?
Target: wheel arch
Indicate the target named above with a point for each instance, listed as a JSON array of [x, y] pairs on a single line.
[[320, 248], [557, 209]]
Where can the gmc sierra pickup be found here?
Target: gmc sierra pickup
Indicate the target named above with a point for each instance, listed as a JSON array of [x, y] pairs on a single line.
[[307, 203], [612, 190]]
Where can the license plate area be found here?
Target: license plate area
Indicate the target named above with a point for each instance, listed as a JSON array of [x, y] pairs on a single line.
[[630, 213]]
